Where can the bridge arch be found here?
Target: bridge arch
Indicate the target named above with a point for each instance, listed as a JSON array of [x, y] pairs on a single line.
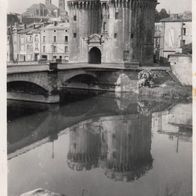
[[38, 80], [83, 78], [29, 87], [76, 74], [94, 56]]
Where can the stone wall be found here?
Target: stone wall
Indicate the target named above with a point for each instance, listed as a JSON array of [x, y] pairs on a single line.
[[126, 29], [181, 66]]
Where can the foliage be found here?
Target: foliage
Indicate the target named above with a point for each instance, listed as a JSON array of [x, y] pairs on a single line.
[[12, 19], [160, 15], [146, 78]]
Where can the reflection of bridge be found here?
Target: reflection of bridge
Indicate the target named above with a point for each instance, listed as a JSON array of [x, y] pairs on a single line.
[[42, 82], [99, 134], [31, 131], [42, 126]]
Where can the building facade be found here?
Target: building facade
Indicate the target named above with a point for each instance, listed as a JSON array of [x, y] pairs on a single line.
[[54, 41], [111, 31], [171, 35]]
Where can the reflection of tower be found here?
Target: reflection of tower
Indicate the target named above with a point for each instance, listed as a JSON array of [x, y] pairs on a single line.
[[84, 148], [129, 145]]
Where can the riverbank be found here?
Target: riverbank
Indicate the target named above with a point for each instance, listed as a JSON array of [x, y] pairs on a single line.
[[168, 90]]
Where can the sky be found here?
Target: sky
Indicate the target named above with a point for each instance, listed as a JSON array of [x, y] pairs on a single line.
[[174, 6]]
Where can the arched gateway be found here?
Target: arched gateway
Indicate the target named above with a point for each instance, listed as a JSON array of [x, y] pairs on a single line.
[[94, 56]]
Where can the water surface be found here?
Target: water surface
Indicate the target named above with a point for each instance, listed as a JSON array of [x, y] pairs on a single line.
[[105, 145]]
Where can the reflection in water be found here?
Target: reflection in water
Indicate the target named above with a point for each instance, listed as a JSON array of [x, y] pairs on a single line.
[[128, 154], [121, 145], [112, 139], [84, 148]]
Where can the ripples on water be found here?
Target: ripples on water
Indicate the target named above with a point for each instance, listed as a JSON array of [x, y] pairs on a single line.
[[105, 145]]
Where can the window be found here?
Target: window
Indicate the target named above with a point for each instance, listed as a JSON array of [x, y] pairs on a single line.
[[54, 49], [74, 18], [29, 38], [54, 38], [54, 30], [44, 38], [116, 15], [131, 35], [66, 48], [74, 35], [115, 35], [44, 48], [66, 38], [184, 31], [183, 42], [125, 55], [22, 40], [36, 46], [36, 38], [104, 26]]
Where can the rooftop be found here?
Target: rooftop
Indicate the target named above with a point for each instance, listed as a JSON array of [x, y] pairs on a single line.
[[178, 18], [57, 25]]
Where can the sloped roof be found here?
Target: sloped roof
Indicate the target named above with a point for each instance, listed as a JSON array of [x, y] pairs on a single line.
[[58, 26], [51, 7], [36, 6]]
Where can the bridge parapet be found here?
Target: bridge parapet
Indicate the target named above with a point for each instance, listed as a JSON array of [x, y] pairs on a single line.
[[26, 68]]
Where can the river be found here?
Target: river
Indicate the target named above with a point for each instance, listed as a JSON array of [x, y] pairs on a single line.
[[116, 145]]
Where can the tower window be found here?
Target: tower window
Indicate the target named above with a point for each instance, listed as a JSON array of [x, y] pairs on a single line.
[[104, 26], [115, 35], [184, 31], [131, 35], [74, 18], [66, 48], [74, 35], [44, 38], [44, 48], [54, 38], [66, 38], [125, 55], [116, 15]]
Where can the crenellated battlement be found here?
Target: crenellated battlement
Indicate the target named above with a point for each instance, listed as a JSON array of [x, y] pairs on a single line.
[[117, 3]]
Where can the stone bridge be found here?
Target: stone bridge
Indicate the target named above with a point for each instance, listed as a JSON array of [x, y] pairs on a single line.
[[43, 82]]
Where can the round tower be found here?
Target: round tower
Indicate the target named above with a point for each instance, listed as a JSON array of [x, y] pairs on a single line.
[[85, 20], [112, 31]]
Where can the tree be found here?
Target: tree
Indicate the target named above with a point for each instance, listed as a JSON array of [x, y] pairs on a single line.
[[160, 15]]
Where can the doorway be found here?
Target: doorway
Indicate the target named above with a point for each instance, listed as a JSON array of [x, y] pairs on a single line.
[[94, 56]]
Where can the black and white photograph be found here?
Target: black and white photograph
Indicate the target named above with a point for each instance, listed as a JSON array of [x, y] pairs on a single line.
[[99, 98]]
